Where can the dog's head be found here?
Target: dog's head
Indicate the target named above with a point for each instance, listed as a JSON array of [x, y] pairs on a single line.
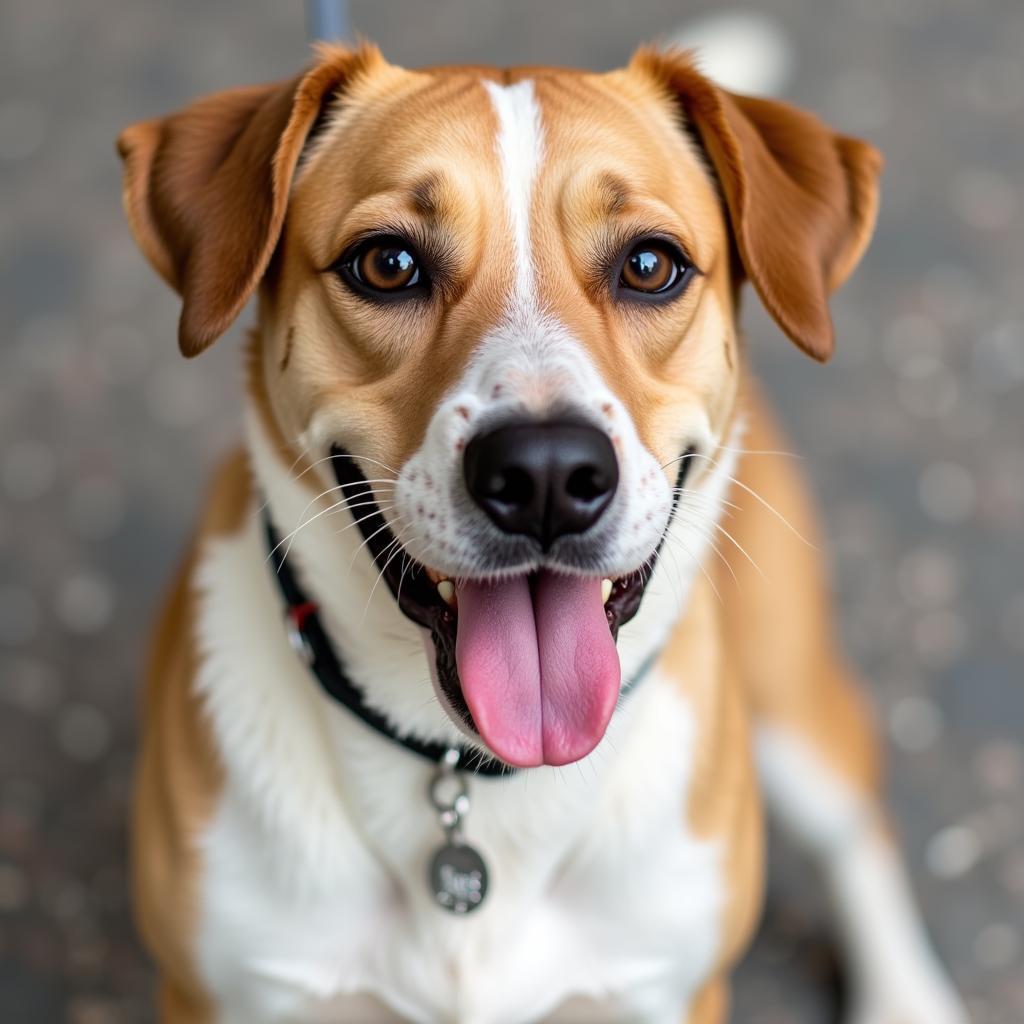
[[515, 290]]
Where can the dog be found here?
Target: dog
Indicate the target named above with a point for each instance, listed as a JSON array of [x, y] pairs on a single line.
[[491, 639]]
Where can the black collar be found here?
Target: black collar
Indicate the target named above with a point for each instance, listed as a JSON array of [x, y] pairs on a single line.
[[310, 640]]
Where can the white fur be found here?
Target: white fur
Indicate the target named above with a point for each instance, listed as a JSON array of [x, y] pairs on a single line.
[[314, 901], [520, 149], [896, 976]]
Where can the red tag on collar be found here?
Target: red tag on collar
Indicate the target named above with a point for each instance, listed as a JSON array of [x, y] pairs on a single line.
[[298, 613]]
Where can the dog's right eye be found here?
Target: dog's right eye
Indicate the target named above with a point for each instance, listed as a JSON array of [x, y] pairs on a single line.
[[384, 267], [654, 270]]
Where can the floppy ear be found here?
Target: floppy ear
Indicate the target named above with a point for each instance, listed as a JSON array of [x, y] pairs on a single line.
[[206, 189], [801, 199]]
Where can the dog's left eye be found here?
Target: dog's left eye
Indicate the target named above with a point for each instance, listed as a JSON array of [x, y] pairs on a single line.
[[383, 267], [654, 269]]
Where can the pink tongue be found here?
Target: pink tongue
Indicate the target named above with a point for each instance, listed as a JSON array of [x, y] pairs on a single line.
[[540, 672]]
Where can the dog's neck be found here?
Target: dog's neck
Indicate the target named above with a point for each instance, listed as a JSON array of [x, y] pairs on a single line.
[[383, 651]]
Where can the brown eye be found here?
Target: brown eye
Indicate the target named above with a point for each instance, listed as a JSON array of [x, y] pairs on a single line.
[[383, 268], [654, 268], [387, 267]]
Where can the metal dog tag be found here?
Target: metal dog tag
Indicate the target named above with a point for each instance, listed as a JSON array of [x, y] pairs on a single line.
[[458, 878], [458, 874]]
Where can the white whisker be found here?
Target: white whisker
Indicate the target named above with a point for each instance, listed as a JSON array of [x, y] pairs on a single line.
[[330, 509], [741, 548], [356, 522], [340, 507], [767, 504], [710, 541], [759, 451], [699, 523], [698, 562], [367, 540], [384, 568], [688, 492], [376, 462]]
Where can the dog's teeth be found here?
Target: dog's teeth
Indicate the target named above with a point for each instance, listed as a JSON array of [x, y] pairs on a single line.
[[606, 590], [446, 590]]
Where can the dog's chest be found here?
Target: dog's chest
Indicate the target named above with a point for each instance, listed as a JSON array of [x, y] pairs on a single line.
[[596, 913], [315, 904]]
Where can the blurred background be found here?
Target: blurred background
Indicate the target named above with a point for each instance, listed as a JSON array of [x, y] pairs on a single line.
[[913, 437]]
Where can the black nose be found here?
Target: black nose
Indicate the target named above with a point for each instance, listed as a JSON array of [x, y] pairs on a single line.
[[542, 479]]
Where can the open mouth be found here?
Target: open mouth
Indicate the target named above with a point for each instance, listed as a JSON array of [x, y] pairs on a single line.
[[527, 663]]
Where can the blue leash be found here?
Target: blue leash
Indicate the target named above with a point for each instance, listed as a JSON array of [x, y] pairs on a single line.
[[327, 20]]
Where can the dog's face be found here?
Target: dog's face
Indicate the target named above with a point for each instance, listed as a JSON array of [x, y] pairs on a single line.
[[510, 299]]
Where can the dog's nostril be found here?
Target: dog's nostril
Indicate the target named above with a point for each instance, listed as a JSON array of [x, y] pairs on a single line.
[[512, 487], [586, 484]]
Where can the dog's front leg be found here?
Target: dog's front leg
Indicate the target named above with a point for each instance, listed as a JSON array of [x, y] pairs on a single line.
[[896, 977], [818, 753]]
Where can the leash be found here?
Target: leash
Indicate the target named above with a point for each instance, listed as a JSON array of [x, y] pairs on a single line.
[[327, 19]]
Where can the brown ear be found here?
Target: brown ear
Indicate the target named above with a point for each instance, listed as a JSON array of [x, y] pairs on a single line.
[[801, 199], [206, 189]]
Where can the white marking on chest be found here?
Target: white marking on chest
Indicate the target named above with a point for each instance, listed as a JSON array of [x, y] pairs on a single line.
[[520, 149], [603, 906], [314, 898]]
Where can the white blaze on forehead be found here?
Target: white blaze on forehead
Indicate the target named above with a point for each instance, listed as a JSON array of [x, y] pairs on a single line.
[[520, 148], [528, 364]]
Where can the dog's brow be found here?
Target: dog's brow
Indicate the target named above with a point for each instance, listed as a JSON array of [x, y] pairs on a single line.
[[425, 195], [615, 193]]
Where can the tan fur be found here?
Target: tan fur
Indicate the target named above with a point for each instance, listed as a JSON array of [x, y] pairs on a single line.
[[712, 1006], [724, 804], [209, 222], [806, 683], [389, 396], [781, 166], [179, 774]]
